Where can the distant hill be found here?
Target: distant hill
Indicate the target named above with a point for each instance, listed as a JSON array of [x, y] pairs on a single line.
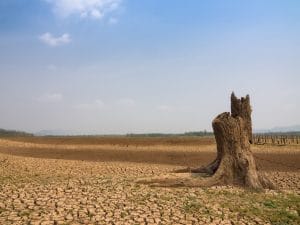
[[73, 133], [55, 133], [13, 133], [286, 129]]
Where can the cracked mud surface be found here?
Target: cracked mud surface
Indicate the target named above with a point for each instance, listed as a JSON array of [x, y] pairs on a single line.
[[53, 190]]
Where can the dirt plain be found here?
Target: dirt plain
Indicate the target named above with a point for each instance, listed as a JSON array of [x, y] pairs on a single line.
[[92, 180]]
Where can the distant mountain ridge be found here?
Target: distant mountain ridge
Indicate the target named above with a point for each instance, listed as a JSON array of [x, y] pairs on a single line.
[[294, 128], [287, 129], [55, 133]]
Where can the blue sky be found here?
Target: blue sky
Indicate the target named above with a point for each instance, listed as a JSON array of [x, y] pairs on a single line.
[[120, 66]]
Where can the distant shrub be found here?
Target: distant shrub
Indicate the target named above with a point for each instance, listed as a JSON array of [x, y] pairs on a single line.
[[13, 133]]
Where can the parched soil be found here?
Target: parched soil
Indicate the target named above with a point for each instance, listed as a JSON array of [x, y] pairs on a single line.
[[177, 151], [65, 181]]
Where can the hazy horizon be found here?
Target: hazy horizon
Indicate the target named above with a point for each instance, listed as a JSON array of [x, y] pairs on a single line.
[[125, 66]]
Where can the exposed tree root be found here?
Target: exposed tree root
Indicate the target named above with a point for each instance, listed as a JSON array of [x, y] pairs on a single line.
[[210, 169], [199, 180]]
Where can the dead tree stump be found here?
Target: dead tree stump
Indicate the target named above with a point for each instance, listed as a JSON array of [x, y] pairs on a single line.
[[234, 164], [233, 133]]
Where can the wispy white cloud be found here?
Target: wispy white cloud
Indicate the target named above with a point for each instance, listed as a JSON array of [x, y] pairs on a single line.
[[96, 9], [96, 105], [49, 39], [50, 98]]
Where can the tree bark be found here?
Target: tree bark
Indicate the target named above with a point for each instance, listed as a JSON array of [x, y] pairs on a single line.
[[235, 163]]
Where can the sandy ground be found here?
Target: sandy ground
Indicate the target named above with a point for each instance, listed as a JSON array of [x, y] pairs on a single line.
[[67, 183]]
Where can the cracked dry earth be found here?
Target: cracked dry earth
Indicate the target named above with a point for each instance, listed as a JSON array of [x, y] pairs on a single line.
[[57, 191]]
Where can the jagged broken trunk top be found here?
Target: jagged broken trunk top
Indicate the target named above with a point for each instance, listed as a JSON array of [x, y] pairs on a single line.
[[235, 163]]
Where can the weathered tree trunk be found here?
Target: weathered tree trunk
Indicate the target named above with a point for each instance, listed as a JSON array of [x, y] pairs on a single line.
[[234, 163], [233, 135]]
